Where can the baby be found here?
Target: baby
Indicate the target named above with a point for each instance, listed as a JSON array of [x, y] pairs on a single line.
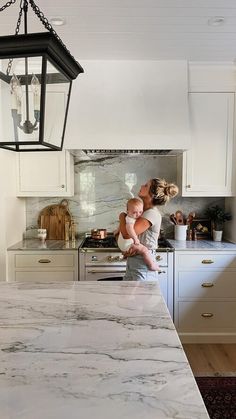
[[134, 211]]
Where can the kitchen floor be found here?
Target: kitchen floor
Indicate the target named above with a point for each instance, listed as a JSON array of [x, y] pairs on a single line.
[[211, 359]]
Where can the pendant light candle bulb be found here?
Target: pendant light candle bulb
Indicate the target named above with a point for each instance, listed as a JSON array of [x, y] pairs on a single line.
[[16, 92], [35, 86]]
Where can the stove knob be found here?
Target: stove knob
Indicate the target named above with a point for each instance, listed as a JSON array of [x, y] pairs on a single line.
[[110, 258], [94, 258]]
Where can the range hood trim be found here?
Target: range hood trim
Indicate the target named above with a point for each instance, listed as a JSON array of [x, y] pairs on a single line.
[[155, 152]]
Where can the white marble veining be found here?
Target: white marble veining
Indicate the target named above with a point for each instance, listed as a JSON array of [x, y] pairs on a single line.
[[92, 350], [202, 245], [104, 183]]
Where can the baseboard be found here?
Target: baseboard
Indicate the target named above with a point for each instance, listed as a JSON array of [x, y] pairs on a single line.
[[207, 338], [216, 374]]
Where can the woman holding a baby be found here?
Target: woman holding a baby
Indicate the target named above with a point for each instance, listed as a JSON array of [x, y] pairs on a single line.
[[140, 228]]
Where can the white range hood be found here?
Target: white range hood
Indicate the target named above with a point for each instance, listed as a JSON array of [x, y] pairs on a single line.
[[130, 105]]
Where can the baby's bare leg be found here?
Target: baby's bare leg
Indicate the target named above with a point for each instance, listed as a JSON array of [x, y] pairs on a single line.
[[143, 251]]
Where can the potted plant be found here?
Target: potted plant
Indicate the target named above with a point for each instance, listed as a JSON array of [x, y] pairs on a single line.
[[218, 216]]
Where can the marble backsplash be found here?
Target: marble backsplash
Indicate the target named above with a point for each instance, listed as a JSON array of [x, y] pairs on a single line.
[[103, 184]]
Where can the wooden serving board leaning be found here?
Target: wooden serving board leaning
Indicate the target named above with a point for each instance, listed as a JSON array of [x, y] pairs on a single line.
[[53, 218]]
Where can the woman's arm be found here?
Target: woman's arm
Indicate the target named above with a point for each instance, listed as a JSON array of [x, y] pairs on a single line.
[[141, 225]]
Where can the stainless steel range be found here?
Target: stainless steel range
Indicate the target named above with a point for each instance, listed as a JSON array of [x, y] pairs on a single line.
[[101, 260]]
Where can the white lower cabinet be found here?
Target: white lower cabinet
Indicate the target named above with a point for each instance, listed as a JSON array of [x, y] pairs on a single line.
[[45, 173], [42, 266], [205, 296]]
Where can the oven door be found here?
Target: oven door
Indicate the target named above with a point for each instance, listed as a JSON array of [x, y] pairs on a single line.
[[103, 273]]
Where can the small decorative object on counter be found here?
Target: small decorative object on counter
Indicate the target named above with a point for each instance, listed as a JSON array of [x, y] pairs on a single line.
[[201, 228], [180, 232], [42, 234], [67, 231], [218, 217], [73, 230], [190, 234]]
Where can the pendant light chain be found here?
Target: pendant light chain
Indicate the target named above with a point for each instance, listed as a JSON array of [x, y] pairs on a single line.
[[16, 32], [47, 25], [41, 17], [8, 3]]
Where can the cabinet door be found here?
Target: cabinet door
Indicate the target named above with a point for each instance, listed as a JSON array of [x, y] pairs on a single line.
[[207, 166], [45, 174]]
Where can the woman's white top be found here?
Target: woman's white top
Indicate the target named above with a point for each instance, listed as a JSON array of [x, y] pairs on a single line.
[[149, 237]]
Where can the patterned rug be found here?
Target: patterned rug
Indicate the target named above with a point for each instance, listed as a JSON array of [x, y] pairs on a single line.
[[219, 395]]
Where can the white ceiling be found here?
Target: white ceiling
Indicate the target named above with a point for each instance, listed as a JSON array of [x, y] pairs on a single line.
[[138, 29]]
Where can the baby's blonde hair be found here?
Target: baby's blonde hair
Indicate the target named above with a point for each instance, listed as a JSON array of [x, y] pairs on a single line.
[[134, 202]]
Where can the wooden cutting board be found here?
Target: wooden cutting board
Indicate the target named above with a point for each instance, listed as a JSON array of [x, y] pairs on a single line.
[[53, 218]]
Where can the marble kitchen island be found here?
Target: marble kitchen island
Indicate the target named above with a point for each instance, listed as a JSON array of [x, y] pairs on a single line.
[[92, 350]]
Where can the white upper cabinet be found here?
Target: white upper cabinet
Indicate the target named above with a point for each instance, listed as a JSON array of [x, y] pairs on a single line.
[[207, 166], [45, 173], [129, 105]]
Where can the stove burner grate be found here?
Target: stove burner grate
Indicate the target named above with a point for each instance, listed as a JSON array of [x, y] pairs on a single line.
[[108, 242]]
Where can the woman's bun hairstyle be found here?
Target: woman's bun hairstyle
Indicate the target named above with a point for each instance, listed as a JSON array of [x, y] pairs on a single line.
[[161, 191], [171, 190]]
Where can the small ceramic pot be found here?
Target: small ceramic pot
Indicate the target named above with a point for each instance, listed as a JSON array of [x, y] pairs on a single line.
[[217, 235]]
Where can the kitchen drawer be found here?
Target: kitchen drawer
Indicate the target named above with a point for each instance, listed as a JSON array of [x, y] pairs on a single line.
[[206, 284], [42, 276], [95, 274], [191, 317], [44, 261], [206, 260]]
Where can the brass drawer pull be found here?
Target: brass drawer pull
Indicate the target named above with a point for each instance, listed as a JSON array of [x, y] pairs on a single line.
[[158, 257], [207, 261], [207, 315], [44, 261], [207, 285]]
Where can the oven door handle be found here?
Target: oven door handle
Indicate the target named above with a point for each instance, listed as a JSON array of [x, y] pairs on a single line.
[[102, 271]]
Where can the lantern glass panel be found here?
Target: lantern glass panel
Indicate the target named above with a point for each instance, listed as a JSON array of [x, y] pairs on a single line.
[[20, 94], [56, 100]]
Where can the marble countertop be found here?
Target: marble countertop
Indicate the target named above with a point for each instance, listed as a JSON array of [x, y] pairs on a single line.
[[92, 350], [36, 244], [202, 245]]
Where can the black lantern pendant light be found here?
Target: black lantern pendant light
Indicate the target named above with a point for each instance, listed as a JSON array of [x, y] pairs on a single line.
[[36, 73]]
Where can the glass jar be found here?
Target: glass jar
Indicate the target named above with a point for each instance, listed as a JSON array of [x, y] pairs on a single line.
[[42, 234]]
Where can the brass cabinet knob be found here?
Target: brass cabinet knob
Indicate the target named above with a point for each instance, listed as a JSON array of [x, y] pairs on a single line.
[[207, 315], [62, 186], [158, 257]]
